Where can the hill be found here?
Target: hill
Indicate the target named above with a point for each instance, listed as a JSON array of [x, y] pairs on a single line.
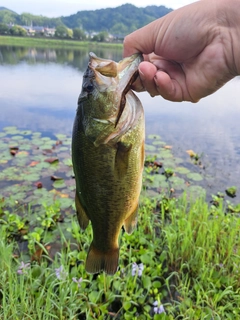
[[120, 20], [6, 9]]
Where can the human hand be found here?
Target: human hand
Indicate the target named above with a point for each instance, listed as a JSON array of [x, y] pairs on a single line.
[[189, 53]]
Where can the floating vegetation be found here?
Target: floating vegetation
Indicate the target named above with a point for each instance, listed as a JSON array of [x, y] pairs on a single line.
[[181, 262], [231, 192]]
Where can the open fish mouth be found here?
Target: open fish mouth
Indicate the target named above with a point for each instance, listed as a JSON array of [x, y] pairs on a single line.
[[126, 71]]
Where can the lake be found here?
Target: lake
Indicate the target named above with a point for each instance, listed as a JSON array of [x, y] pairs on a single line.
[[39, 91]]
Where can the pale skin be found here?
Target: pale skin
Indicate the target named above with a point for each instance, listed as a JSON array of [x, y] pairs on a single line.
[[189, 53]]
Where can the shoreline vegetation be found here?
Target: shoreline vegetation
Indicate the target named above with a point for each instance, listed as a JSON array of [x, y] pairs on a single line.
[[53, 43], [182, 261]]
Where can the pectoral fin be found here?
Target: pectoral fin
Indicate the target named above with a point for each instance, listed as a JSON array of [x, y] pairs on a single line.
[[122, 157], [81, 215], [131, 222]]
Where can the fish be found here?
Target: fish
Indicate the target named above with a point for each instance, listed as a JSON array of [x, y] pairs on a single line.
[[108, 156]]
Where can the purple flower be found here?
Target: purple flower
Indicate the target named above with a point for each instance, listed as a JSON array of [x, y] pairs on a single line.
[[158, 308], [78, 281], [23, 268], [60, 273], [137, 269]]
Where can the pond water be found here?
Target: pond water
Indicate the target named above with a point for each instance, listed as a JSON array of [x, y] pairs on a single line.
[[39, 91]]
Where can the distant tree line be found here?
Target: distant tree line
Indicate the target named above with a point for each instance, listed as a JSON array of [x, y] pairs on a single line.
[[60, 32], [117, 21]]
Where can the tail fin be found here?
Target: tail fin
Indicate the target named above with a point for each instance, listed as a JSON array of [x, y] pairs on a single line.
[[98, 260]]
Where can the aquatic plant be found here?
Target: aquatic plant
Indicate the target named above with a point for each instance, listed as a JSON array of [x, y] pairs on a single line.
[[181, 262]]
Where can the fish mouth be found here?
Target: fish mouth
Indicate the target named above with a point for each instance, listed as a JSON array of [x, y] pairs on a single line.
[[130, 64], [126, 72]]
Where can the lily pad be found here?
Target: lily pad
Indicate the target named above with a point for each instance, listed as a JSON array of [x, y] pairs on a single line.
[[164, 153], [182, 170], [61, 136], [194, 176], [32, 177], [154, 136], [177, 183], [159, 181], [149, 147], [10, 128], [26, 132], [59, 184], [158, 143], [196, 191]]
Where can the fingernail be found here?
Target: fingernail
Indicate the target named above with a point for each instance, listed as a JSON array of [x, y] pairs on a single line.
[[156, 81], [142, 76]]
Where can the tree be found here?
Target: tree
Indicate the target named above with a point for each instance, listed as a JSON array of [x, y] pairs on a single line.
[[3, 28], [101, 36], [79, 34], [18, 31], [69, 33], [61, 31]]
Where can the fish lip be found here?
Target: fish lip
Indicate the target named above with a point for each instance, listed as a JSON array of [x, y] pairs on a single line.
[[133, 60], [132, 64]]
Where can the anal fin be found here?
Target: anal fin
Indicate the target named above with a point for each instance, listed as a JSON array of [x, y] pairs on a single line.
[[131, 222], [81, 215]]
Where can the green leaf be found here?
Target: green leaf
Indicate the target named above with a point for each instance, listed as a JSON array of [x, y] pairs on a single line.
[[146, 282], [182, 170], [149, 147], [146, 258], [93, 296], [154, 136], [194, 176], [58, 184], [127, 305], [61, 136]]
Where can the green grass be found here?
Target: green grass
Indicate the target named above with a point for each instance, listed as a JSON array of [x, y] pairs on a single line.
[[189, 249], [52, 43], [191, 261]]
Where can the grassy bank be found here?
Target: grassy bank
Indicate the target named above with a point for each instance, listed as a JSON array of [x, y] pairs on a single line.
[[182, 262], [52, 43]]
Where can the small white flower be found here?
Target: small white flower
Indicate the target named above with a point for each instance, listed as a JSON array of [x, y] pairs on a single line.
[[60, 273], [78, 281], [23, 268], [158, 308], [137, 269]]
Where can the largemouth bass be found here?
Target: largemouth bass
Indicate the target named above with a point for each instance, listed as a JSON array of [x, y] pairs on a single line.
[[108, 156]]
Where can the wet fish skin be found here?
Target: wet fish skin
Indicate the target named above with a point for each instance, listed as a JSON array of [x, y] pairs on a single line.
[[108, 156]]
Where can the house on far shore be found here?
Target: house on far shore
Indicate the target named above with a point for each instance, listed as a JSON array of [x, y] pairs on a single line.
[[30, 30], [49, 32], [39, 30]]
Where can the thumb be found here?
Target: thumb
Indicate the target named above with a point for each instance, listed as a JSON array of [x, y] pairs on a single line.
[[142, 40]]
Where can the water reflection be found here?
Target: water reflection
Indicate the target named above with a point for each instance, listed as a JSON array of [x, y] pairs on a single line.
[[76, 58], [40, 87]]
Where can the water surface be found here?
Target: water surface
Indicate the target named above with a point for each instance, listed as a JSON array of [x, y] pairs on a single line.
[[39, 91]]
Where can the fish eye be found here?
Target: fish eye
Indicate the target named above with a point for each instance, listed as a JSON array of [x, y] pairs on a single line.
[[89, 87]]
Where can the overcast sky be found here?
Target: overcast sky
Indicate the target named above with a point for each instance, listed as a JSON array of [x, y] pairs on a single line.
[[57, 8]]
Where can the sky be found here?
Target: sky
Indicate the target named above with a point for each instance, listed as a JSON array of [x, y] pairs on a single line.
[[57, 8]]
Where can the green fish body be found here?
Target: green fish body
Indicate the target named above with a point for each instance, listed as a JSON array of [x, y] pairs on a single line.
[[108, 156]]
